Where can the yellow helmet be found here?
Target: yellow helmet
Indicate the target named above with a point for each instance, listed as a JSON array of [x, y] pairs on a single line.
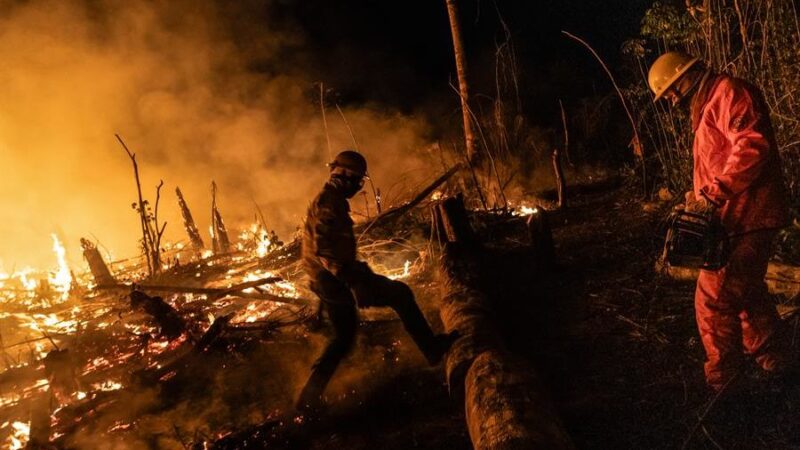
[[667, 70]]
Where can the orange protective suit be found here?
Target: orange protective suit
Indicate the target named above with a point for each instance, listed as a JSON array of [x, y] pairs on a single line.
[[737, 167]]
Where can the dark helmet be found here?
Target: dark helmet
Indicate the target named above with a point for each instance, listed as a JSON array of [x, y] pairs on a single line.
[[350, 163]]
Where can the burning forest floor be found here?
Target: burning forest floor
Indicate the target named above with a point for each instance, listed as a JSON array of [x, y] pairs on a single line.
[[614, 343]]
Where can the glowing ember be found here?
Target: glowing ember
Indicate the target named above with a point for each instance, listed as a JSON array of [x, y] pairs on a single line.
[[20, 435], [107, 386], [404, 274], [523, 209]]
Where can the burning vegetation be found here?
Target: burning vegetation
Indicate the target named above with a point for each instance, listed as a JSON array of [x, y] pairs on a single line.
[[127, 348], [529, 248]]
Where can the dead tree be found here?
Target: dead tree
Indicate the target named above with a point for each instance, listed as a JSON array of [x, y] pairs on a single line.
[[561, 183], [506, 405], [188, 223], [152, 231], [219, 234], [463, 82], [100, 272]]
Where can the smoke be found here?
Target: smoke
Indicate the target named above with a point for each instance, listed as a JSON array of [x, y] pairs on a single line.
[[196, 92]]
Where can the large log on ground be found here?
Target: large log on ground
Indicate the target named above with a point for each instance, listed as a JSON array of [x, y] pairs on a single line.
[[506, 407], [781, 279], [466, 309]]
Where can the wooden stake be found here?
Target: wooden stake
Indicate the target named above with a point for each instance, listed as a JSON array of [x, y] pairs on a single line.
[[561, 184]]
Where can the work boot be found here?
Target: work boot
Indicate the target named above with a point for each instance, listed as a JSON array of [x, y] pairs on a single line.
[[441, 345]]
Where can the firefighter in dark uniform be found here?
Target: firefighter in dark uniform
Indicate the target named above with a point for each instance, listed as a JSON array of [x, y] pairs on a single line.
[[343, 283]]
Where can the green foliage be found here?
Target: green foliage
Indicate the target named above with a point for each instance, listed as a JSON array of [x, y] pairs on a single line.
[[669, 24]]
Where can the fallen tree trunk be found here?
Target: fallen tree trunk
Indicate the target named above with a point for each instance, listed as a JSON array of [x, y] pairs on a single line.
[[194, 290], [781, 279], [506, 407]]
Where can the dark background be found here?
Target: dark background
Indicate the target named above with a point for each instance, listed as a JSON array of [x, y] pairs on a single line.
[[400, 52]]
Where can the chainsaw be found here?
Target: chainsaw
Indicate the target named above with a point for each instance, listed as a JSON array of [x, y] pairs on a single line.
[[696, 240]]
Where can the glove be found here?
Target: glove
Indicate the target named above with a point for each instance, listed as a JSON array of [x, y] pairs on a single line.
[[697, 205]]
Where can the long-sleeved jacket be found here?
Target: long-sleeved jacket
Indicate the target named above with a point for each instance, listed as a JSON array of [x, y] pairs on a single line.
[[736, 161], [328, 240]]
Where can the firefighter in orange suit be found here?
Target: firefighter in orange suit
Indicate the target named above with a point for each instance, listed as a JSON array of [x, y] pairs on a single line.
[[737, 175]]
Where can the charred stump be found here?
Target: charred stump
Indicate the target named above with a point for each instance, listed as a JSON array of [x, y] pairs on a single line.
[[100, 272], [188, 223], [219, 234], [506, 406]]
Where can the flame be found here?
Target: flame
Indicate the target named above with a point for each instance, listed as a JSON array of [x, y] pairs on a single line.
[[523, 209], [107, 385], [62, 279]]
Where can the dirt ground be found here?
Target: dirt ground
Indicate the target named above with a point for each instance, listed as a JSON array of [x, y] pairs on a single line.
[[615, 343]]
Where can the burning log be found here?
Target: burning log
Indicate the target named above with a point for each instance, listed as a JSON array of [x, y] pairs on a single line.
[[219, 234], [398, 211], [100, 272], [506, 407], [169, 321], [216, 292], [209, 337], [188, 223]]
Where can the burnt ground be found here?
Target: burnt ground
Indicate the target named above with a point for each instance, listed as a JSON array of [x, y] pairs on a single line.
[[615, 343]]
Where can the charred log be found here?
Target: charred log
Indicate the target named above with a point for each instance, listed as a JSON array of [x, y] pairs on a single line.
[[505, 405], [170, 323]]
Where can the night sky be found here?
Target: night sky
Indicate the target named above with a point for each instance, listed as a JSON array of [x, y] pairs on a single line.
[[400, 53]]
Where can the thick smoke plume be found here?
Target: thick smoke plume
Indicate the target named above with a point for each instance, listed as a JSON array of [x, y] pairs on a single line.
[[197, 95]]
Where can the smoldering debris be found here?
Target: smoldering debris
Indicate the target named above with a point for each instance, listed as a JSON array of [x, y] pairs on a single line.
[[211, 344]]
